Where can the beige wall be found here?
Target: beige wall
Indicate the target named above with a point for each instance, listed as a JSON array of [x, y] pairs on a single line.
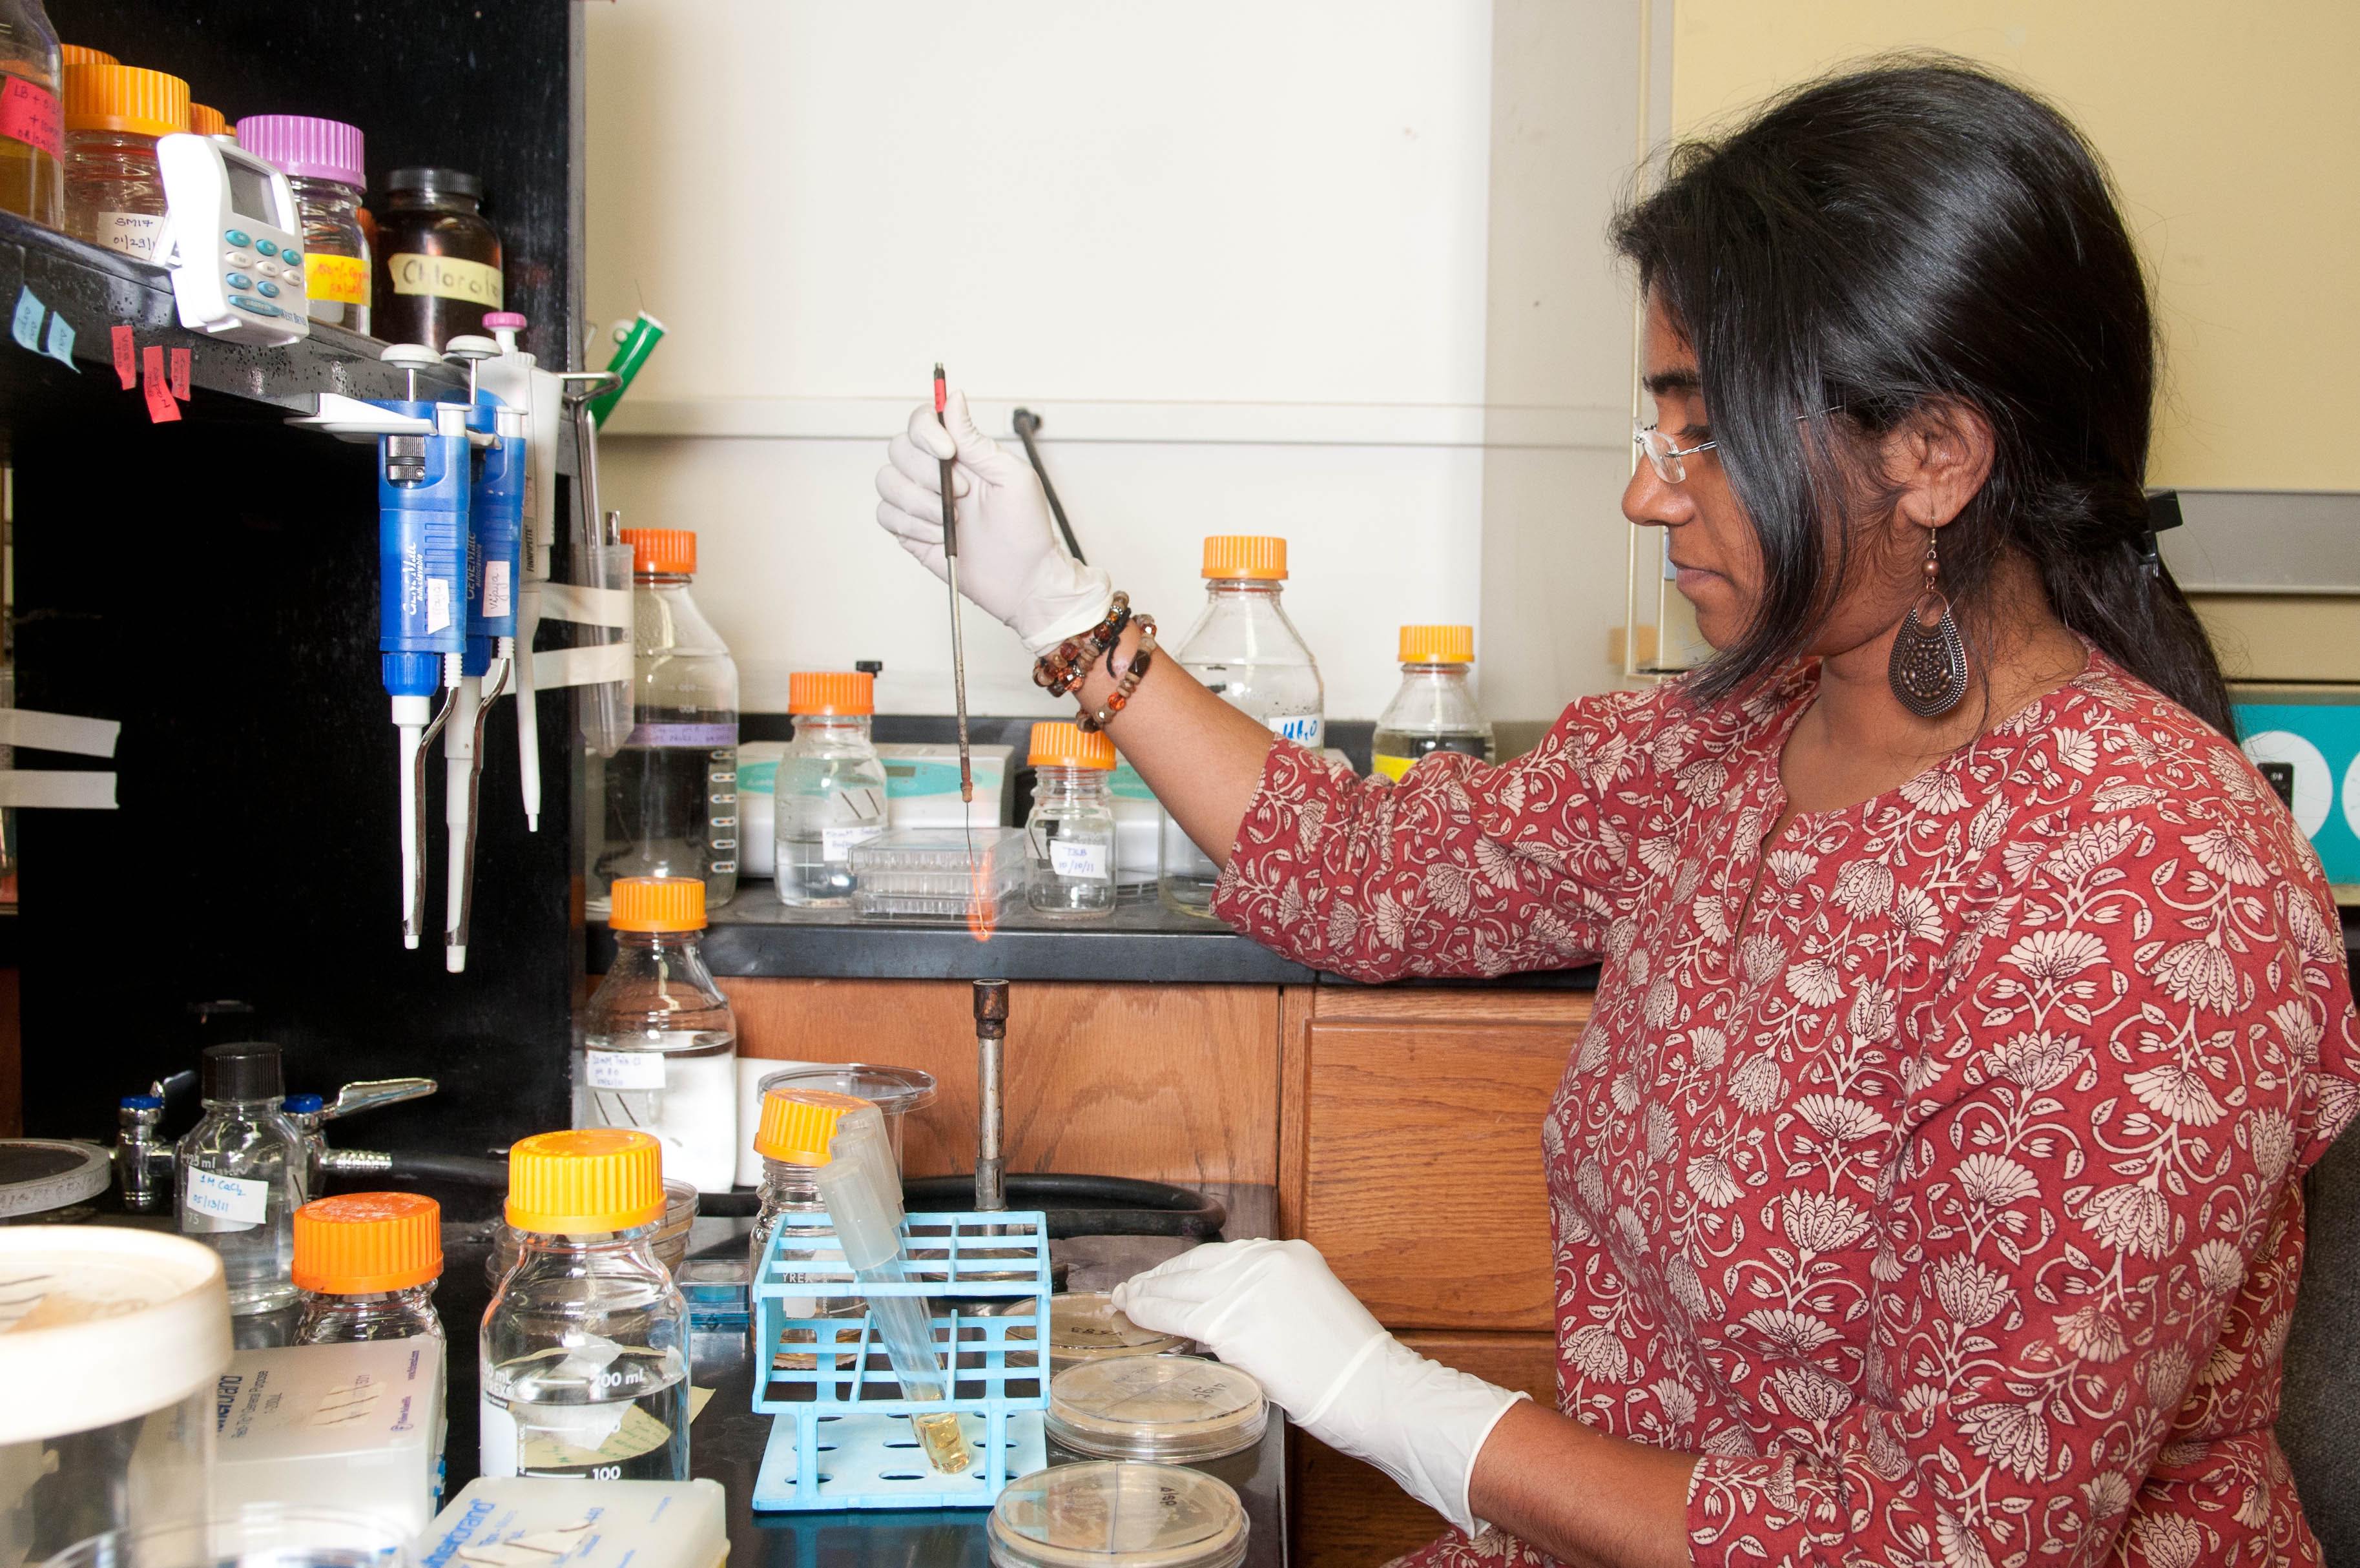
[[2230, 130]]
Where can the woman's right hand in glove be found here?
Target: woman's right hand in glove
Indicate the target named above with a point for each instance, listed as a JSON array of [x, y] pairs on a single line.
[[1012, 564]]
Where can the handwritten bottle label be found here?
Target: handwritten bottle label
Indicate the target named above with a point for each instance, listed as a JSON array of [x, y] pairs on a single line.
[[218, 1202], [336, 280], [1087, 861], [133, 234], [445, 277], [31, 114]]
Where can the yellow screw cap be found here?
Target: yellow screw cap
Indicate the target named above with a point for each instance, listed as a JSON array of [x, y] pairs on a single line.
[[1438, 644], [365, 1242], [579, 1183], [1060, 744], [125, 98], [850, 692], [1245, 555], [657, 904], [797, 1123], [204, 120]]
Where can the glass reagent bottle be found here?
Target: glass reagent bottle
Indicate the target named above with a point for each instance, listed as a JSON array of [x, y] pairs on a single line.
[[1069, 838], [828, 794], [240, 1175], [1434, 709]]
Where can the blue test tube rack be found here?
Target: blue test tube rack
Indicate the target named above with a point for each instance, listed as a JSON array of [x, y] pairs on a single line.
[[842, 1436]]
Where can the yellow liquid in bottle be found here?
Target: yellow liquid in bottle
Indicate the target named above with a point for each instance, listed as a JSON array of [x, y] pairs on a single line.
[[946, 1445]]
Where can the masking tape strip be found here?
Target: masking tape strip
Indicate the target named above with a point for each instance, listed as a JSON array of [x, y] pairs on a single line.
[[61, 791], [585, 605], [556, 667], [58, 732]]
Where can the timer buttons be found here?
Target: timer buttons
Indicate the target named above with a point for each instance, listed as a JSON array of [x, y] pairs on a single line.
[[238, 280], [266, 247], [238, 238]]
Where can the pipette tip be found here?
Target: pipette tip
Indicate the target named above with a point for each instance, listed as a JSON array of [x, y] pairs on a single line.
[[454, 960]]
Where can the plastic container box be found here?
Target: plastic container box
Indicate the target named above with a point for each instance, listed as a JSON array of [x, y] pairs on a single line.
[[926, 874], [584, 1524], [1112, 1515], [1172, 1410]]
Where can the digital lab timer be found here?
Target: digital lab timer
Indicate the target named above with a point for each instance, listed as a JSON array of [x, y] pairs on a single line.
[[234, 243]]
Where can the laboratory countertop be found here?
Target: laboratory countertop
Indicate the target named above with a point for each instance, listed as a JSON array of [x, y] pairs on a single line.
[[1140, 943]]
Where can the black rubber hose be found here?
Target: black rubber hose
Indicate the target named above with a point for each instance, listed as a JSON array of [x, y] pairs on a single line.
[[1027, 422], [1086, 1205], [461, 1168]]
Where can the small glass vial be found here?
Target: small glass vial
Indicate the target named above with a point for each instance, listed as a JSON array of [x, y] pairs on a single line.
[[1070, 837], [241, 1175], [1434, 709], [658, 1042], [829, 790], [366, 1264], [114, 192], [438, 266], [32, 123], [1248, 654], [670, 789], [322, 161], [583, 1354]]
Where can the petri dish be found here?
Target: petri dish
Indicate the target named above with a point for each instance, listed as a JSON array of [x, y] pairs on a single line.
[[1117, 1515], [1168, 1408], [1085, 1326]]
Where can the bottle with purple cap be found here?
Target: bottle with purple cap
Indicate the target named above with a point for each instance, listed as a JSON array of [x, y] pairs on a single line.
[[323, 162]]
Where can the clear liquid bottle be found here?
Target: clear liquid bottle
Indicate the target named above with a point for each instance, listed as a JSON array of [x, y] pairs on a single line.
[[829, 791], [366, 1264], [1434, 709], [32, 120], [1249, 655], [659, 1048], [584, 1355], [326, 170], [671, 789], [1070, 837], [240, 1175], [114, 192]]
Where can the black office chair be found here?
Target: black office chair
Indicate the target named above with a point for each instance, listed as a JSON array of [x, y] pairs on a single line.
[[2318, 1422]]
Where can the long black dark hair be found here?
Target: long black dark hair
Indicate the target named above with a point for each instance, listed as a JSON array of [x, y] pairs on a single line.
[[1921, 234]]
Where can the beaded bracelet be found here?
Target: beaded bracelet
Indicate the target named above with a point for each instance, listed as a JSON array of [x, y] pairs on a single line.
[[1060, 669], [1120, 698]]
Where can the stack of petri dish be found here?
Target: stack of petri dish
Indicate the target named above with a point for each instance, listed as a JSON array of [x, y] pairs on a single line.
[[1085, 1326], [1168, 1409], [1108, 1515]]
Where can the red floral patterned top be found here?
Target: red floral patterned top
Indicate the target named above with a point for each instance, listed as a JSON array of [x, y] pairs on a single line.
[[1946, 1200]]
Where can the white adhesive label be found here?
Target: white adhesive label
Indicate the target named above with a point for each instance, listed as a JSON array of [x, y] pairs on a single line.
[[1307, 730], [623, 1068], [495, 1447], [1067, 858], [497, 598], [132, 233], [229, 1203], [438, 603], [836, 843]]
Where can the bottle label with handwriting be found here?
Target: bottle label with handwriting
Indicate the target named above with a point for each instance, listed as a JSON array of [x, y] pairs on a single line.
[[445, 277]]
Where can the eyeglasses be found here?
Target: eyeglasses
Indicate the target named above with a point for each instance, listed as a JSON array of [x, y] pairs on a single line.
[[1664, 455]]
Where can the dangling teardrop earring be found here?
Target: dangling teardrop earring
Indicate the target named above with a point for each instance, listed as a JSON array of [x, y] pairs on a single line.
[[1929, 668]]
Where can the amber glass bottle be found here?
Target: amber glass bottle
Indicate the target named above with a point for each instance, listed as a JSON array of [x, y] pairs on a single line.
[[438, 261]]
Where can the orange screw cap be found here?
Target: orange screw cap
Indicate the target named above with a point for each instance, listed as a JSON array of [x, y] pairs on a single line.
[[361, 1243]]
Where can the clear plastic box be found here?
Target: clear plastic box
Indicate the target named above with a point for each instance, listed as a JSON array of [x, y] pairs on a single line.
[[926, 874]]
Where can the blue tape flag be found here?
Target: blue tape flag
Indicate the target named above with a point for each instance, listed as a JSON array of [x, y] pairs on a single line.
[[59, 346], [27, 328]]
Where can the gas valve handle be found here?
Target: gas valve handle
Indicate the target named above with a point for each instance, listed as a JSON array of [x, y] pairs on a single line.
[[369, 1094]]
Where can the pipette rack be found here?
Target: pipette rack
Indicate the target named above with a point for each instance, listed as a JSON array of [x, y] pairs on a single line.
[[842, 1437]]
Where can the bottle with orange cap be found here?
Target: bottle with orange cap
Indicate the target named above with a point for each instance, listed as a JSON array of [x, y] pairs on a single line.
[[114, 191], [366, 1264], [1434, 709], [829, 791], [583, 1361], [32, 144], [671, 792], [658, 1042], [1248, 654], [1070, 837]]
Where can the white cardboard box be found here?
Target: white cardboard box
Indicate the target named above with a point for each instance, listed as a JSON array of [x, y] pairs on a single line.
[[347, 1426], [531, 1521]]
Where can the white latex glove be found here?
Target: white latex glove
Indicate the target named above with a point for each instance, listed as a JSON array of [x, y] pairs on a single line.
[[1274, 1309], [1012, 562]]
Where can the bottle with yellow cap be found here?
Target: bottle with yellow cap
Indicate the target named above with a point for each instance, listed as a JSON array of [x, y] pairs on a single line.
[[584, 1355], [829, 791], [32, 135], [1070, 837], [658, 1042], [114, 192], [366, 1264], [1434, 709], [1248, 654], [671, 792]]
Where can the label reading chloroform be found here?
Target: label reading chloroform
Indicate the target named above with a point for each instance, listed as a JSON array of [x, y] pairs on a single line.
[[1067, 858], [230, 1202], [623, 1068], [708, 737], [1307, 730]]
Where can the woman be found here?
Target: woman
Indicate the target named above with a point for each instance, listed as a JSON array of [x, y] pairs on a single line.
[[1925, 1184]]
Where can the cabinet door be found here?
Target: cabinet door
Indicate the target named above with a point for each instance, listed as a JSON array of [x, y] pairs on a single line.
[[1412, 1157], [1351, 1515]]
